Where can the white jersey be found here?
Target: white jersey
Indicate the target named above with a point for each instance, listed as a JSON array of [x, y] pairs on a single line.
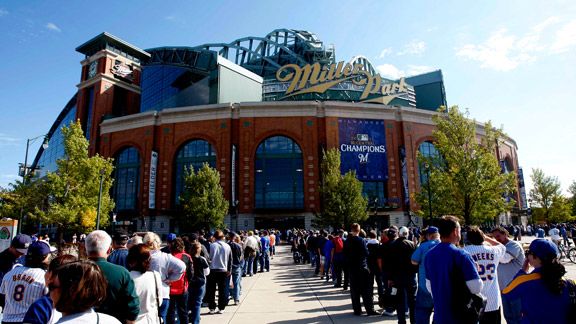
[[487, 258], [21, 287], [554, 234]]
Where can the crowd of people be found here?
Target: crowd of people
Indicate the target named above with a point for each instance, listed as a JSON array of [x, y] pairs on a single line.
[[444, 273], [129, 279]]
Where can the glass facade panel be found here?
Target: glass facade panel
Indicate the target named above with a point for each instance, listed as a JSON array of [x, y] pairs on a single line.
[[194, 153], [89, 105], [55, 151], [375, 191], [126, 179], [165, 86], [279, 179], [427, 150]]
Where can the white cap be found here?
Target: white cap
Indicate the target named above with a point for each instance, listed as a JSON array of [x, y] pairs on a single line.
[[403, 231]]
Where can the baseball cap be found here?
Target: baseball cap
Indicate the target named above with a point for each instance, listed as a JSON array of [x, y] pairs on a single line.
[[403, 231], [543, 249], [40, 248], [193, 237], [392, 231], [21, 242], [432, 230], [171, 237]]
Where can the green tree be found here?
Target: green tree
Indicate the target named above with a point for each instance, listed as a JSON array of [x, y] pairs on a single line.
[[546, 195], [22, 199], [73, 189], [203, 199], [468, 181], [342, 200], [572, 191]]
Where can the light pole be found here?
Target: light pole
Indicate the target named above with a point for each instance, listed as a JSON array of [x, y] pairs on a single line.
[[24, 170], [99, 199], [427, 167]]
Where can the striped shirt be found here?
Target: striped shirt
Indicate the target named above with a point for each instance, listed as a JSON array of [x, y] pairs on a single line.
[[487, 259], [21, 287]]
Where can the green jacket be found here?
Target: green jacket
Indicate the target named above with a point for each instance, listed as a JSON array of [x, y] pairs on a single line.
[[121, 299]]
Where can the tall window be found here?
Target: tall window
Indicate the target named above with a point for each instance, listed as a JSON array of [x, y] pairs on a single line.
[[89, 106], [375, 191], [427, 150], [126, 179], [194, 153], [279, 174]]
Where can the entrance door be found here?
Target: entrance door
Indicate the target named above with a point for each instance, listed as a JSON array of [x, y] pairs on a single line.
[[279, 223]]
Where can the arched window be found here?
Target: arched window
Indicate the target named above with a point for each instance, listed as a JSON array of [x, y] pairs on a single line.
[[506, 165], [429, 151], [194, 153], [279, 176], [126, 179]]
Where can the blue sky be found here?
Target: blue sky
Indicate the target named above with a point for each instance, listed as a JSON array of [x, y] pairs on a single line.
[[511, 62]]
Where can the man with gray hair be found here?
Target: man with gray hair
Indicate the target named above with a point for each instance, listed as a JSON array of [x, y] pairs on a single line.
[[169, 267], [121, 299]]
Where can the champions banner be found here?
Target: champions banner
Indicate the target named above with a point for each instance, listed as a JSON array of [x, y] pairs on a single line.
[[363, 148]]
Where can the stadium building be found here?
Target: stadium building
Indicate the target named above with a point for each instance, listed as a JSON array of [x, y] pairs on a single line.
[[261, 110]]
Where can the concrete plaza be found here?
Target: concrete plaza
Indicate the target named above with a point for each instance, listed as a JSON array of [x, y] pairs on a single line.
[[290, 293]]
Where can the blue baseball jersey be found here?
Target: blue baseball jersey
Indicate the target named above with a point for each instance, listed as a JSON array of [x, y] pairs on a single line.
[[22, 286], [441, 262]]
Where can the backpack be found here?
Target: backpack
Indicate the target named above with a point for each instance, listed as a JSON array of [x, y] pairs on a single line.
[[338, 245]]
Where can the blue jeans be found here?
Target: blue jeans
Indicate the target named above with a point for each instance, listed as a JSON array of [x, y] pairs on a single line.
[[236, 278], [264, 261], [163, 310], [248, 263], [179, 304], [424, 307], [195, 295]]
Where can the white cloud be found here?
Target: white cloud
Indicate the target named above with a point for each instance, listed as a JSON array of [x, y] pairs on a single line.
[[418, 69], [385, 52], [415, 47], [390, 71], [3, 12], [6, 140], [565, 38], [503, 51], [53, 27]]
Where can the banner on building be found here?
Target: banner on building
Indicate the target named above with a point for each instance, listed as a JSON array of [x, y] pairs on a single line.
[[152, 182], [363, 148], [523, 201], [404, 168], [233, 176]]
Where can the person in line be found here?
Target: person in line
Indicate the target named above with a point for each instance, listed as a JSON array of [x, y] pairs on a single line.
[[147, 284], [328, 253], [272, 237], [446, 265], [42, 310], [23, 285], [264, 250], [120, 249], [197, 287], [320, 242], [179, 288], [9, 257], [488, 257], [339, 263], [169, 267], [387, 301], [77, 288], [169, 240], [220, 270], [356, 256], [543, 293], [555, 235], [121, 300], [373, 246], [250, 247], [424, 303], [403, 275], [237, 260], [507, 271]]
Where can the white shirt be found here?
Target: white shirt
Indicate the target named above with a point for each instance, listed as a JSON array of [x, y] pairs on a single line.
[[21, 287], [88, 317], [487, 258], [145, 285], [554, 234]]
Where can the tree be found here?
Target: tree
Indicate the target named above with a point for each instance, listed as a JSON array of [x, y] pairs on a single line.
[[203, 199], [546, 195], [572, 190], [73, 189], [467, 181], [22, 199], [342, 200]]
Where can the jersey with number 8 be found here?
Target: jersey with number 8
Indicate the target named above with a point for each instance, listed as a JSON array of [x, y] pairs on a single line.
[[21, 287]]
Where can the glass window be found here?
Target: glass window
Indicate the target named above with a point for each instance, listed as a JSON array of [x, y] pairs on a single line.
[[55, 151], [429, 151], [375, 191], [194, 153], [89, 105], [279, 179], [126, 179]]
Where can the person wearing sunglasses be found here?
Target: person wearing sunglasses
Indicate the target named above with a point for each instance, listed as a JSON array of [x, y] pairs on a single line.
[[543, 293]]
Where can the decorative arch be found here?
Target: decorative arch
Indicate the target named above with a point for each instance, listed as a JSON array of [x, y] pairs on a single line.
[[278, 174], [195, 153], [126, 178]]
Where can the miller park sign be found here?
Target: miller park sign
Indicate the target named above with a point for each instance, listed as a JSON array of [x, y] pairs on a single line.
[[315, 78]]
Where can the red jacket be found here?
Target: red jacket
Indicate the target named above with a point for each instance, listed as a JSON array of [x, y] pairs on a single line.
[[180, 286]]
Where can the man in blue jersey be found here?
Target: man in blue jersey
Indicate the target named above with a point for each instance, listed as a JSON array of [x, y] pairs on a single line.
[[444, 264], [424, 303]]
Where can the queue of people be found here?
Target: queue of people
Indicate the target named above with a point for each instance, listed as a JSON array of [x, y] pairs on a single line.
[[122, 279]]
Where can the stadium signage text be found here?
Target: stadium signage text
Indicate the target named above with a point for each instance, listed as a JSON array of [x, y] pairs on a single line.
[[314, 78]]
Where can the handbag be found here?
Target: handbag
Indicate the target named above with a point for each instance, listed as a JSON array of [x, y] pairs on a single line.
[[160, 319]]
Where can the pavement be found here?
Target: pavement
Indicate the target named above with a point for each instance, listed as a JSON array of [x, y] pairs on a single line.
[[290, 293]]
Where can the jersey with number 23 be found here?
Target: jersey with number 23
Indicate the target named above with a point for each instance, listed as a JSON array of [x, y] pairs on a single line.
[[21, 287], [487, 258]]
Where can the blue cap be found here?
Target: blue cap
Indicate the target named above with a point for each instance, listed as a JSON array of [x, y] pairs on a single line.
[[171, 237], [40, 248], [21, 242], [432, 230], [544, 249]]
